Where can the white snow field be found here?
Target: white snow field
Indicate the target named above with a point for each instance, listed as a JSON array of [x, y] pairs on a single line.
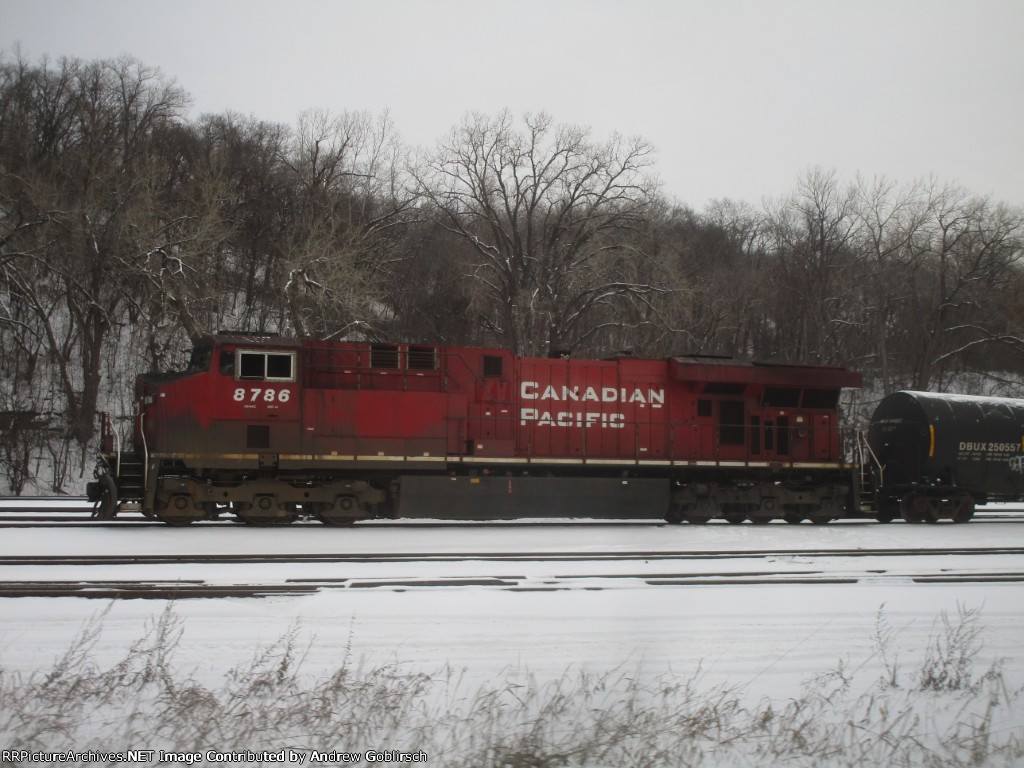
[[551, 616]]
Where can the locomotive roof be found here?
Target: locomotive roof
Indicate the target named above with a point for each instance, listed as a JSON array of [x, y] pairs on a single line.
[[682, 368], [242, 337], [768, 374]]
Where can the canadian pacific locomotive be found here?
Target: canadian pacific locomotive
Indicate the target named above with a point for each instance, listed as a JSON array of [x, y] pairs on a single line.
[[270, 428]]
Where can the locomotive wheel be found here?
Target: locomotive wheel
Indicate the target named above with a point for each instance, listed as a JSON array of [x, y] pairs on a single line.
[[177, 521], [793, 518], [766, 512], [343, 512], [249, 517], [336, 518], [178, 511], [825, 513], [263, 512], [734, 513], [702, 511], [675, 513]]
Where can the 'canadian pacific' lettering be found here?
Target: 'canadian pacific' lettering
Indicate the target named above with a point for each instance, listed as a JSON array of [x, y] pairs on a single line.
[[572, 418], [531, 390]]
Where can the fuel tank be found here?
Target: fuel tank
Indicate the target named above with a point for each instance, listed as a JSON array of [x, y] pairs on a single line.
[[975, 444]]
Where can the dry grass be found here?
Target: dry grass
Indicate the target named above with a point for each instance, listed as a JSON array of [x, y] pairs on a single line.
[[941, 713]]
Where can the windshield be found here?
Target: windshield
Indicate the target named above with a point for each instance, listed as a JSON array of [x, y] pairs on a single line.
[[201, 357]]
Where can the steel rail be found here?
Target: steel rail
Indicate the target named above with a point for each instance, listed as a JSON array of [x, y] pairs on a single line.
[[165, 590], [32, 516], [435, 557]]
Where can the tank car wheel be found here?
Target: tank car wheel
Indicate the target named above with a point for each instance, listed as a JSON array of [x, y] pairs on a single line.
[[793, 518], [888, 509], [963, 508], [915, 508], [695, 519]]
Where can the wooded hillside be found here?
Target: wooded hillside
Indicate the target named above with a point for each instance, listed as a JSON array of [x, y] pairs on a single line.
[[128, 228]]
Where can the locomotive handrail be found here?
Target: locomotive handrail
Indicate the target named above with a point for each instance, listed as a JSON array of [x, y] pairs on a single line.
[[145, 450], [117, 447], [477, 378], [109, 435]]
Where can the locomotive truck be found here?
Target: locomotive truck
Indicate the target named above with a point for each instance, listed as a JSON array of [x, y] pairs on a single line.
[[271, 428]]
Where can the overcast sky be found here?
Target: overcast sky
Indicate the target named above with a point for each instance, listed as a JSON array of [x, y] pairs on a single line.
[[738, 96]]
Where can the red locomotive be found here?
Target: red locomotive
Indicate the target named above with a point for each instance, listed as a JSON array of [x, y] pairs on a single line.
[[272, 428]]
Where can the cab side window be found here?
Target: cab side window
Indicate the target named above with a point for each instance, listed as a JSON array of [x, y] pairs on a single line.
[[265, 366], [493, 367]]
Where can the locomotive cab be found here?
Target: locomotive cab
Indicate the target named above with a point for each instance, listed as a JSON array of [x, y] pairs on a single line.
[[237, 396]]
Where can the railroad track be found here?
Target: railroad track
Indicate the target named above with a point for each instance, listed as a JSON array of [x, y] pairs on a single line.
[[436, 557], [180, 590], [673, 569], [29, 517], [169, 574], [76, 511]]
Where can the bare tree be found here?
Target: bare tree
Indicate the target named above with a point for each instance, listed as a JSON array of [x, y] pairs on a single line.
[[893, 222], [351, 198], [553, 218], [75, 144], [812, 232], [974, 258]]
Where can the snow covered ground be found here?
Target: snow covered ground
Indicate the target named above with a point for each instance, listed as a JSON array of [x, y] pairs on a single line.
[[500, 622], [599, 615]]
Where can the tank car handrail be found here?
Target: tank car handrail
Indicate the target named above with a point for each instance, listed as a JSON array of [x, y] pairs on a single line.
[[862, 444]]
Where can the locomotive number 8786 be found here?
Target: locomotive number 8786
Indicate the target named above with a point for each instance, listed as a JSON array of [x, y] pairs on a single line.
[[272, 428]]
